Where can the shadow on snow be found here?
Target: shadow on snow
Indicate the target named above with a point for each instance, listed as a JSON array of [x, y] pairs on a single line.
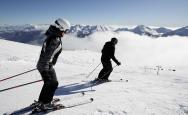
[[75, 88]]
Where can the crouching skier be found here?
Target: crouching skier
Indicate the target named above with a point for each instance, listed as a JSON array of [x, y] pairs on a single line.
[[51, 49]]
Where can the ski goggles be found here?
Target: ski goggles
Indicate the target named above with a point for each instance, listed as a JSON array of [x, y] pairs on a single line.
[[66, 31]]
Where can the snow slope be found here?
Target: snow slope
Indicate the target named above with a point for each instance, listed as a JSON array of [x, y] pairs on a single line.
[[145, 93]]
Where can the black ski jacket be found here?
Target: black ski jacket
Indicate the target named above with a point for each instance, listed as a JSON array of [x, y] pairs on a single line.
[[108, 52], [51, 49]]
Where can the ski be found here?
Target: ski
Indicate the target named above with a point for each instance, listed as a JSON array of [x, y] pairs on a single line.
[[20, 111], [119, 80], [76, 95], [28, 108], [55, 100], [98, 82], [114, 80], [64, 106]]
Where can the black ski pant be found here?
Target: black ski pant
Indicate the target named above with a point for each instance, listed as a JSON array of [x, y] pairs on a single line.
[[106, 71], [49, 86]]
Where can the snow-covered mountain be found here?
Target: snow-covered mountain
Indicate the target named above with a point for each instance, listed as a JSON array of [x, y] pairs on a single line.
[[121, 29], [31, 34], [163, 30], [34, 34], [86, 30], [25, 28], [143, 30], [180, 32]]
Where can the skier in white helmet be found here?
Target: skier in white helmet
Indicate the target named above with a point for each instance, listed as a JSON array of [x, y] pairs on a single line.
[[51, 49]]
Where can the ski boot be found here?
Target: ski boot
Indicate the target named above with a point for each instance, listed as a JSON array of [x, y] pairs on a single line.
[[38, 103], [47, 107]]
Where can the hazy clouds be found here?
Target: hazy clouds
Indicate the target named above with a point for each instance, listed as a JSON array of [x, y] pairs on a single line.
[[134, 49]]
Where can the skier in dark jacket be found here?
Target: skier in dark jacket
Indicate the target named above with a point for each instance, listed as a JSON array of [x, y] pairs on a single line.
[[108, 52], [51, 49]]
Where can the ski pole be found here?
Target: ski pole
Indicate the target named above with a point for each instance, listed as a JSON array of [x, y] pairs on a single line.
[[16, 75], [20, 85], [93, 70]]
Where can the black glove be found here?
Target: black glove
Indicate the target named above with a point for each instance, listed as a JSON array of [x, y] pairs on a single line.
[[118, 63]]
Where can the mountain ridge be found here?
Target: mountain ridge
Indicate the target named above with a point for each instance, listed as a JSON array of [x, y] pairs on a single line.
[[34, 34]]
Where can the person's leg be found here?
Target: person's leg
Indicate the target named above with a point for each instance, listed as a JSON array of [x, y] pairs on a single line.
[[54, 85], [108, 70], [49, 87], [101, 73]]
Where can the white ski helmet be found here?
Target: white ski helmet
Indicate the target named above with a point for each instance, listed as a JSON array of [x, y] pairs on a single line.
[[62, 24]]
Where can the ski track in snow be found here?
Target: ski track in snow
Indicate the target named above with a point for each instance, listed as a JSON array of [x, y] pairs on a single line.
[[143, 94]]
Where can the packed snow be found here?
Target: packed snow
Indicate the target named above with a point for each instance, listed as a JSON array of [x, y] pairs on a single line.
[[144, 92]]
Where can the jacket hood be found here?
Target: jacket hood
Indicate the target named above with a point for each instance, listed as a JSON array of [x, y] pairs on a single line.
[[53, 31]]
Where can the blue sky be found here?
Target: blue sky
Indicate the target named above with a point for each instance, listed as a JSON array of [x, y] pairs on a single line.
[[105, 12]]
